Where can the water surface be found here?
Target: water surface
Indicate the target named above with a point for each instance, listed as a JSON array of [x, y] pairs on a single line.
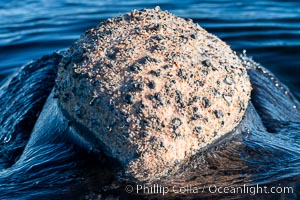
[[268, 29]]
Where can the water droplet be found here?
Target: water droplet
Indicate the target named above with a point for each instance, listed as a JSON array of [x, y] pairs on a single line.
[[157, 8], [7, 139]]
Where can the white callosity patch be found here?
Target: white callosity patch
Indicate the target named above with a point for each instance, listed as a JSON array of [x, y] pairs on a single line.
[[154, 88]]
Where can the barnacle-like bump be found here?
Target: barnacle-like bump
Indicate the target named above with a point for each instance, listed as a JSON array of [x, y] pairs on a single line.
[[170, 81]]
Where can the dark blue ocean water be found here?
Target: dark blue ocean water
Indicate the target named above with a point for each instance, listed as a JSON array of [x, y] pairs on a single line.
[[268, 29]]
